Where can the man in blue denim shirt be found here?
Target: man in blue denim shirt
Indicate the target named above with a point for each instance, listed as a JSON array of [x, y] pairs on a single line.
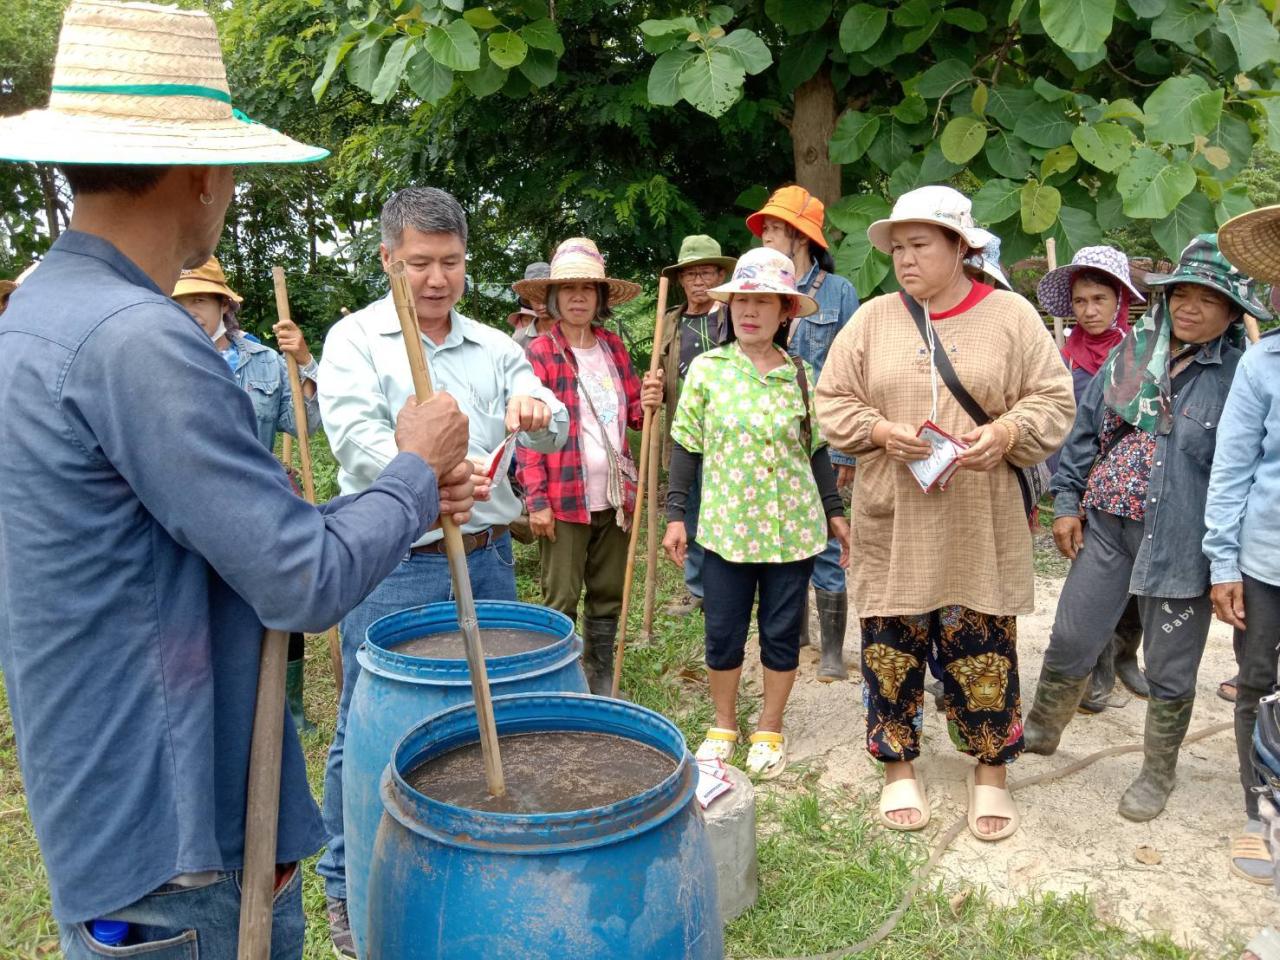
[[791, 223], [146, 536]]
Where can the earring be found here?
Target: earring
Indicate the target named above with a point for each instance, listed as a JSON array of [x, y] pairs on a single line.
[[206, 199]]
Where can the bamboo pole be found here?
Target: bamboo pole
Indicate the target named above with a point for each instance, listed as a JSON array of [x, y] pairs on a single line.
[[1251, 328], [286, 451], [1051, 256], [304, 452], [651, 557], [643, 478], [454, 549]]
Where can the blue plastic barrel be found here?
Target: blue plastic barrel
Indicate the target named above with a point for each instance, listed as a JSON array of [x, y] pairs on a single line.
[[395, 691], [634, 879]]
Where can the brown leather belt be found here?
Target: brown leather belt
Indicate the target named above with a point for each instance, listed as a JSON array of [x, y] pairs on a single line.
[[471, 542]]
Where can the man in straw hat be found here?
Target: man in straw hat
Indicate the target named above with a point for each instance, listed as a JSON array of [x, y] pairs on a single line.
[[133, 602], [366, 377], [1242, 521], [693, 328]]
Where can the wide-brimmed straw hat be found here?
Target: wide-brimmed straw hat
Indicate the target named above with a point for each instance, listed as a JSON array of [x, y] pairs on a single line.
[[139, 84], [765, 270], [1202, 263], [796, 207], [7, 287], [577, 260], [207, 278], [938, 205], [697, 250], [1054, 289], [1251, 241]]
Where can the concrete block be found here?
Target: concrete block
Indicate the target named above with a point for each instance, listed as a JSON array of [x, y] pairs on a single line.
[[731, 826]]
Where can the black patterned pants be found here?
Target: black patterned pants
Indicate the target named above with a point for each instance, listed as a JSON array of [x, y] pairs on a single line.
[[979, 660]]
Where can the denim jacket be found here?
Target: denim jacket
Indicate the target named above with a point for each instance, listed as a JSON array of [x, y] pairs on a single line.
[[261, 372], [1170, 562], [813, 335]]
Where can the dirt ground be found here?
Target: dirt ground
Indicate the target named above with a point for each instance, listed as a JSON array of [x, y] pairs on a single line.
[[1072, 839]]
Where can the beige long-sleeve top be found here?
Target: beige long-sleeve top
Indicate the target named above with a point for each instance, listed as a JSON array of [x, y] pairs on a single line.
[[969, 544]]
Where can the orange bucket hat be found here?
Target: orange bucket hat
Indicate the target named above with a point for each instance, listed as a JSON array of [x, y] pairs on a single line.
[[795, 206]]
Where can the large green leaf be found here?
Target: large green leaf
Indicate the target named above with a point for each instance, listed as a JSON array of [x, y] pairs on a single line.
[[798, 16], [1008, 155], [1078, 25], [712, 81], [1044, 125], [431, 80], [962, 138], [863, 265], [861, 27], [997, 200], [543, 35], [481, 18], [1123, 109], [1181, 109], [936, 168], [910, 109], [507, 49], [1074, 229], [892, 145], [1270, 107], [1039, 206], [913, 13], [854, 133], [489, 78], [539, 67], [1111, 211], [1006, 103], [1235, 201], [913, 40], [942, 77], [1193, 215], [1151, 186], [1182, 21], [1232, 136], [749, 50], [801, 59], [856, 212], [362, 65], [970, 20], [333, 58], [906, 177], [664, 77], [1148, 8], [1250, 31], [456, 45], [388, 79], [1107, 146], [1058, 160]]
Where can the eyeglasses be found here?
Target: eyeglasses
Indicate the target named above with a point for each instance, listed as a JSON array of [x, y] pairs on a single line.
[[705, 274]]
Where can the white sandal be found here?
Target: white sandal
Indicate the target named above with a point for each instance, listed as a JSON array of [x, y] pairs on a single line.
[[767, 757], [718, 745], [905, 794]]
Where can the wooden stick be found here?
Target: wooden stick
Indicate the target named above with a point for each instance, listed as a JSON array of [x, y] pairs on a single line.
[[1251, 328], [1051, 256], [286, 451], [453, 547], [642, 479], [304, 452], [651, 557], [262, 807]]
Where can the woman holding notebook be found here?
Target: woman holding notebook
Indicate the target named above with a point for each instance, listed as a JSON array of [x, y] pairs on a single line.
[[943, 392]]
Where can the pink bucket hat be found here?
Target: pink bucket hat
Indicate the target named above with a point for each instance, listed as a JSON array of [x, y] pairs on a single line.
[[1054, 290], [763, 270]]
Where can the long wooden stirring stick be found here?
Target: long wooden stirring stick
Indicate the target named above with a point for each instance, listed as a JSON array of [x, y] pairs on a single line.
[[304, 451], [651, 546], [643, 478], [453, 546]]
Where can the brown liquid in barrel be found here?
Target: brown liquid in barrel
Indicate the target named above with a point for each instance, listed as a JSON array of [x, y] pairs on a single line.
[[546, 773], [496, 642]]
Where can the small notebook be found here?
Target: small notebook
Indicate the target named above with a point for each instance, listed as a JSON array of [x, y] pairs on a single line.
[[712, 781], [936, 471]]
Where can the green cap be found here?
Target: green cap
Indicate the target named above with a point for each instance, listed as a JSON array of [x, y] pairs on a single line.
[[696, 250]]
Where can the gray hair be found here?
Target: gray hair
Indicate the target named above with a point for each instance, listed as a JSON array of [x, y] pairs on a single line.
[[426, 209], [603, 310]]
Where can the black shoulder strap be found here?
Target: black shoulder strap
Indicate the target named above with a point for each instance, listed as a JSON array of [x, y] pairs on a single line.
[[944, 367], [817, 282], [806, 428]]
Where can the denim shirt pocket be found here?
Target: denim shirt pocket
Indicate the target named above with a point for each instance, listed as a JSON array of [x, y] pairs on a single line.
[[265, 395], [1196, 432]]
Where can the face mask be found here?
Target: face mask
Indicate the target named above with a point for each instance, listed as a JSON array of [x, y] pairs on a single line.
[[220, 332]]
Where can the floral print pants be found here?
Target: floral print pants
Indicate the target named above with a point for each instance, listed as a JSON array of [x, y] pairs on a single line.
[[978, 656]]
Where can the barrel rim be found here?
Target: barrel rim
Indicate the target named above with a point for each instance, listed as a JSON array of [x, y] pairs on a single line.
[[525, 833]]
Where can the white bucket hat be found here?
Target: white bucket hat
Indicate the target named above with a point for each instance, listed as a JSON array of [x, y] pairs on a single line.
[[764, 270], [139, 84], [941, 206]]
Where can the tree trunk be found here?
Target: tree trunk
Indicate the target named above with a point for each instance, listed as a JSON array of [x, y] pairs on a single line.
[[49, 188], [812, 124]]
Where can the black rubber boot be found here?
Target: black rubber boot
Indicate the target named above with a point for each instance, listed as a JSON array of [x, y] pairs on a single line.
[[1057, 696], [1127, 640], [598, 638], [1097, 695], [293, 694], [1167, 723], [833, 620]]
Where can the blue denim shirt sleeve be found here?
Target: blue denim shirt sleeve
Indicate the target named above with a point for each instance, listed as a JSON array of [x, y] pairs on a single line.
[[162, 409], [286, 420], [1235, 462], [1078, 453]]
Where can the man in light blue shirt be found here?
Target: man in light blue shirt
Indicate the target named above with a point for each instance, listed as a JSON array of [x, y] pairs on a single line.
[[365, 377]]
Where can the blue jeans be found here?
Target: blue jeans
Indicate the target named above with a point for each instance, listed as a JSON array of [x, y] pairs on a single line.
[[183, 923], [694, 551], [827, 572], [420, 578]]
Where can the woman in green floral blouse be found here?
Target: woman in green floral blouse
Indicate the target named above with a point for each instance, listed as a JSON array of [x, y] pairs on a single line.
[[769, 499]]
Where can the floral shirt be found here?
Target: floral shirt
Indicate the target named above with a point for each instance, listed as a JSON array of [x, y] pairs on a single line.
[[760, 503], [1118, 482]]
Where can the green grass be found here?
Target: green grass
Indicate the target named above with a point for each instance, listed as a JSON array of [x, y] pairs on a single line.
[[828, 875]]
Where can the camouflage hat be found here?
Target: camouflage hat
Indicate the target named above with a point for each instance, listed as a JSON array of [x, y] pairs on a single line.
[[1203, 263]]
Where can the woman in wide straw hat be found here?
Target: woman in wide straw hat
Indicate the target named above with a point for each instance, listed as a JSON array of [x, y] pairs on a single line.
[[945, 571], [137, 492], [1129, 509], [769, 504], [580, 498]]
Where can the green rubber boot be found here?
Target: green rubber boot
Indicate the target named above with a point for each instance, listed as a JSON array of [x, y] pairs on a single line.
[[1057, 697], [1167, 723], [293, 694], [599, 636]]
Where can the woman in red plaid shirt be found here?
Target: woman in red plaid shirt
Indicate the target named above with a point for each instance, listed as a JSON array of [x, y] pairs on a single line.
[[581, 497]]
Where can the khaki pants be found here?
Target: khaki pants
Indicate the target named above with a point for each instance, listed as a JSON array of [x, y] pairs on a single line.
[[593, 555]]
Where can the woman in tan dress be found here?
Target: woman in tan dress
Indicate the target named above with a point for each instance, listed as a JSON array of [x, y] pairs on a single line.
[[949, 569]]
